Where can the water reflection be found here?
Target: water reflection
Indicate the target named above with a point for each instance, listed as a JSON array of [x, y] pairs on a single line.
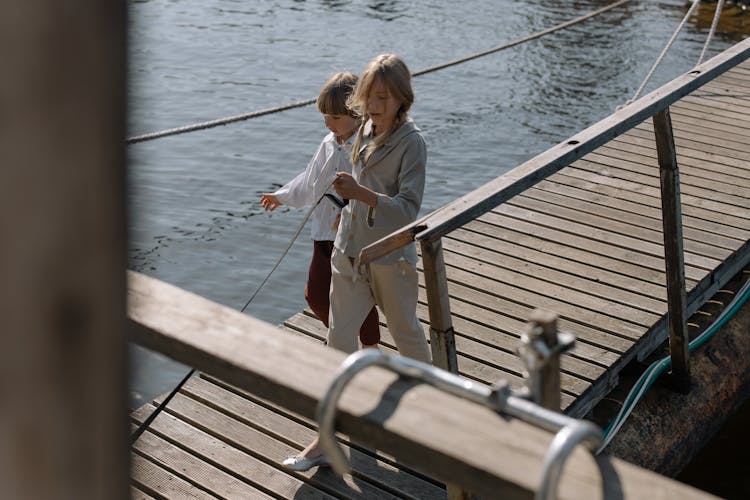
[[734, 23], [335, 4], [386, 10]]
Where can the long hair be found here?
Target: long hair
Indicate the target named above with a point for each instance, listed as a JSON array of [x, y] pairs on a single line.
[[396, 77]]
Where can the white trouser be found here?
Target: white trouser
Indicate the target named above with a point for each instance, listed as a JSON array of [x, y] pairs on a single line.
[[393, 287]]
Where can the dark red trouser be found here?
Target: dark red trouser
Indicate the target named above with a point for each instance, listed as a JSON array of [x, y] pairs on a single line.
[[319, 285]]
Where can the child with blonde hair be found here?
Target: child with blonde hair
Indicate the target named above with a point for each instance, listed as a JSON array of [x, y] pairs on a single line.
[[313, 185], [385, 191]]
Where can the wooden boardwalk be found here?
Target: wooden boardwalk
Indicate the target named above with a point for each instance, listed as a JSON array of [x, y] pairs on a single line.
[[586, 243]]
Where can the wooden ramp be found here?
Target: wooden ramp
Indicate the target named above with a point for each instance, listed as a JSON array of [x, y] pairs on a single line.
[[586, 243]]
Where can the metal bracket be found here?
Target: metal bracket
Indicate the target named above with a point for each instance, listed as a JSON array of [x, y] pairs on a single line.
[[500, 398], [541, 358]]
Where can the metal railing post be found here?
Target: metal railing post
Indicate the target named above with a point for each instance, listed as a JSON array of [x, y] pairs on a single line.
[[669, 176]]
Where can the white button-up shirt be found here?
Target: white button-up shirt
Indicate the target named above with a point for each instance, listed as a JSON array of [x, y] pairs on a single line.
[[310, 185]]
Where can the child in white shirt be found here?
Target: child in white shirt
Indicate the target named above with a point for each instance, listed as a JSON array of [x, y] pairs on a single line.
[[313, 185]]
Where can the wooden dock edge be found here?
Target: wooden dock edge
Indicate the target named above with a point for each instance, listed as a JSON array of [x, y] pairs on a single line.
[[420, 426]]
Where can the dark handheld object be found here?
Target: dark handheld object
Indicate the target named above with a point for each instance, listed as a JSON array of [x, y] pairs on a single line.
[[339, 203]]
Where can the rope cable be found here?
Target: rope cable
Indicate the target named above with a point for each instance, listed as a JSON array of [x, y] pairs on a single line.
[[714, 23], [224, 121], [298, 104], [146, 423], [664, 52]]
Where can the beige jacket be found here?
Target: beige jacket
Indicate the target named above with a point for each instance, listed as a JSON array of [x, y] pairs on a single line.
[[396, 172]]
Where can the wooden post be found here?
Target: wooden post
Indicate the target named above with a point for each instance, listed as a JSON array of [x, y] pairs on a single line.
[[63, 363], [669, 175], [544, 326], [442, 339]]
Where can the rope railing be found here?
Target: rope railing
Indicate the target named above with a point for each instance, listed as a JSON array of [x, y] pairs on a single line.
[[663, 52], [714, 23], [255, 114]]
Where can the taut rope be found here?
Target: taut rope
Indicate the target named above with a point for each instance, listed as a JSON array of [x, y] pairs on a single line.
[[299, 104]]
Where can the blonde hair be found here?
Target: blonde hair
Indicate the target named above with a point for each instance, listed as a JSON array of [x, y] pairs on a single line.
[[396, 77], [336, 91]]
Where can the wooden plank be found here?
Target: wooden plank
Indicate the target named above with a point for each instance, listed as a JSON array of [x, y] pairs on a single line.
[[686, 153], [407, 419], [705, 202], [714, 209], [160, 483], [503, 332], [581, 268], [552, 277], [734, 80], [136, 494], [607, 243], [566, 246], [62, 216], [694, 170], [691, 141], [587, 363], [557, 195], [700, 141], [365, 463], [642, 169], [247, 453], [721, 121], [566, 305], [736, 226], [714, 129], [731, 93], [713, 91], [715, 110], [545, 286], [212, 480], [490, 309], [469, 366], [596, 221]]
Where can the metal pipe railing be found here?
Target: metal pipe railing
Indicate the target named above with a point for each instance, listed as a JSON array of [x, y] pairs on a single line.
[[570, 432]]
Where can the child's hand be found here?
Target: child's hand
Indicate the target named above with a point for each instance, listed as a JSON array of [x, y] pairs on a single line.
[[349, 189], [270, 202], [345, 186]]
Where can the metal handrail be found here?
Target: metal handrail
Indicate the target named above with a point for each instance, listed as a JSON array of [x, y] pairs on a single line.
[[570, 431]]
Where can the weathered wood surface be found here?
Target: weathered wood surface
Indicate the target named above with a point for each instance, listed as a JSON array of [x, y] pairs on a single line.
[[674, 256], [587, 243], [63, 363], [215, 440]]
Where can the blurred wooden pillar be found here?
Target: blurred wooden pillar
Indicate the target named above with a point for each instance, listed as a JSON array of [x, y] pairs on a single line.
[[63, 366]]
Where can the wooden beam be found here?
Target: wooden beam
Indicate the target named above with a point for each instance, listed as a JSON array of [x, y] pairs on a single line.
[[445, 436], [669, 175], [62, 217], [442, 339], [483, 199]]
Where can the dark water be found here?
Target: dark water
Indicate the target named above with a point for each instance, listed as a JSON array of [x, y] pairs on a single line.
[[195, 217]]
